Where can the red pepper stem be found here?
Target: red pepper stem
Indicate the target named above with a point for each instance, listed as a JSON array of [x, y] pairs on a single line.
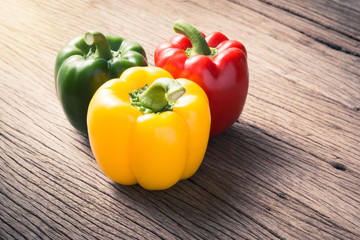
[[101, 44], [198, 42], [162, 92]]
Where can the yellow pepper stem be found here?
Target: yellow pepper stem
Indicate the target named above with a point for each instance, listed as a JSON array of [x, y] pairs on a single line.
[[161, 93]]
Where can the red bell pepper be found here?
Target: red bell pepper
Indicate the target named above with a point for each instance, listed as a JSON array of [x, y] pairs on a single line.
[[214, 62]]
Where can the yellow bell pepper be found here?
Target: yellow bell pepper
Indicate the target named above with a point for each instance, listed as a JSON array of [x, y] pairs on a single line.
[[154, 136]]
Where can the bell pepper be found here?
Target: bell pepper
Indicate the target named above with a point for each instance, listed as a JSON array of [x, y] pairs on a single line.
[[85, 63], [147, 128], [217, 64]]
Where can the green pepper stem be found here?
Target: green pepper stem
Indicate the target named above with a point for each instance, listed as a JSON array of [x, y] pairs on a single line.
[[160, 93], [198, 42], [101, 44]]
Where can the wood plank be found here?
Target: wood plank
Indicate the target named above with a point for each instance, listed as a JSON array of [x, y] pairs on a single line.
[[312, 63], [340, 16], [288, 169], [328, 22], [287, 185]]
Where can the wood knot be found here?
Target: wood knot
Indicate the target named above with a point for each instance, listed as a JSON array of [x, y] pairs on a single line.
[[339, 166]]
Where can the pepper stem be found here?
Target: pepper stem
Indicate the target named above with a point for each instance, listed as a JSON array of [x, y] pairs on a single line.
[[198, 42], [161, 93], [101, 44]]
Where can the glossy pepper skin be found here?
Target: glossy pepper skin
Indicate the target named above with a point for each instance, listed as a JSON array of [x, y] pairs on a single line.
[[85, 63], [217, 64], [155, 149]]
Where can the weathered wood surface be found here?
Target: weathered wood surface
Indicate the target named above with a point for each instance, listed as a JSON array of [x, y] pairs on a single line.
[[289, 169]]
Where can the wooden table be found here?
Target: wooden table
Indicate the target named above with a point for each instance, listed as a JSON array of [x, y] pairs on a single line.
[[288, 169]]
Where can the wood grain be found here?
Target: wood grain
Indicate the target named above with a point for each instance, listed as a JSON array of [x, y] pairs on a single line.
[[332, 23], [288, 169]]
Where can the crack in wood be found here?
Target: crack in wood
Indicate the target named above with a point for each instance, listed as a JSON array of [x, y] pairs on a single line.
[[282, 196]]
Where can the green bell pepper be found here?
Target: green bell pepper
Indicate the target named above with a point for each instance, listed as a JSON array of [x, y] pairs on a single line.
[[85, 63]]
